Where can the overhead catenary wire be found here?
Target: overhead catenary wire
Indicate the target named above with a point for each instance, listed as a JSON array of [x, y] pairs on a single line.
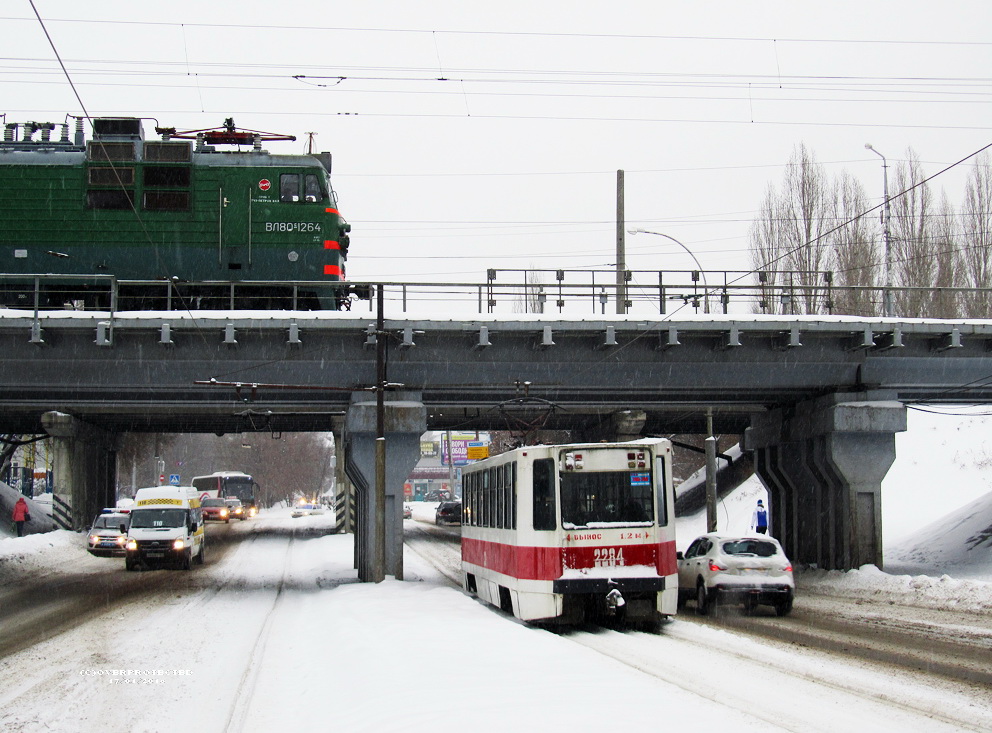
[[550, 34]]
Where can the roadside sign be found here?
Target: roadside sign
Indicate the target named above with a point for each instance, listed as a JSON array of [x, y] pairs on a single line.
[[174, 479]]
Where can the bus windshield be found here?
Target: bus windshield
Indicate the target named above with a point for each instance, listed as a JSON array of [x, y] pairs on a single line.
[[155, 518], [606, 497]]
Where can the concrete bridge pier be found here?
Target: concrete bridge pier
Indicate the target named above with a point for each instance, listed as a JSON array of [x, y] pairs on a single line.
[[84, 469], [405, 422], [823, 462], [344, 493]]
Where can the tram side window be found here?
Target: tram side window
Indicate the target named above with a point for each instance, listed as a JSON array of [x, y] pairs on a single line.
[[544, 494], [487, 511], [513, 495], [468, 491], [476, 501], [509, 495], [484, 499], [659, 472], [500, 497], [289, 187]]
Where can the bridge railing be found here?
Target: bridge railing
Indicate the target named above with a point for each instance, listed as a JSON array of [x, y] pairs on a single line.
[[569, 293]]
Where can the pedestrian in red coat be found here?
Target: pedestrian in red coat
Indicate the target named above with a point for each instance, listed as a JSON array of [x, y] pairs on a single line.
[[20, 515]]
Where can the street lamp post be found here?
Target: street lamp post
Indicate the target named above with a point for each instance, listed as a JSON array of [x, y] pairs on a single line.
[[706, 287], [887, 296]]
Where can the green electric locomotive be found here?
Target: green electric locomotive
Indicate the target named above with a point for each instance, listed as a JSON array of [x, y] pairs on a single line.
[[189, 220]]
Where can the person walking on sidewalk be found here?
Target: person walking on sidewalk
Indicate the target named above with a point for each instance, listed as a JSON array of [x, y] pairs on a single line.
[[20, 515]]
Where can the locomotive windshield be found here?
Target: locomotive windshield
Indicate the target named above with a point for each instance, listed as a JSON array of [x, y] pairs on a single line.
[[611, 497]]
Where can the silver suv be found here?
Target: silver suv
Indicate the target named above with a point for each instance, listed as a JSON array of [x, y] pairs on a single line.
[[718, 569]]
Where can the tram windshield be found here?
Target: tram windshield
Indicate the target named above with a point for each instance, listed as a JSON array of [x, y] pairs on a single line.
[[606, 497]]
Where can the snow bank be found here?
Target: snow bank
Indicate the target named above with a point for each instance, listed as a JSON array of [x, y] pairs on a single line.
[[961, 542], [40, 552], [923, 591]]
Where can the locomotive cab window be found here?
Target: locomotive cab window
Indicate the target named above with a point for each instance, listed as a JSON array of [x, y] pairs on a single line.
[[312, 191], [295, 187], [289, 187]]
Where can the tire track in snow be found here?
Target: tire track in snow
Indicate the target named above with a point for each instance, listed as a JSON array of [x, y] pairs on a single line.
[[822, 694], [249, 678]]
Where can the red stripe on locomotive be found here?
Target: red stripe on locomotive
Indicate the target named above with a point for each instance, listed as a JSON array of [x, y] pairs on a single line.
[[331, 244], [332, 270]]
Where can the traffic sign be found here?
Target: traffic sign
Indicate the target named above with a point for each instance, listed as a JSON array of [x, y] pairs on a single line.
[[174, 479]]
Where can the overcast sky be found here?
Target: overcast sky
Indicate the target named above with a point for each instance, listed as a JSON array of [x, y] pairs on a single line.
[[469, 136]]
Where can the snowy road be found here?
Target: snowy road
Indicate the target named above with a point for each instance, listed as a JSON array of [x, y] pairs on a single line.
[[903, 660], [274, 633]]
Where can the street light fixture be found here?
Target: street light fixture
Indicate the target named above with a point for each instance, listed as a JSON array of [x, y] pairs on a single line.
[[706, 287], [887, 297]]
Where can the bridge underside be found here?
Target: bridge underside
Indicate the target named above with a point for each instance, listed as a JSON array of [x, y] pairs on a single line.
[[801, 390]]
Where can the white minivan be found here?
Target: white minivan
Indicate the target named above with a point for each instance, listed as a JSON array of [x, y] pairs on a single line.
[[166, 528]]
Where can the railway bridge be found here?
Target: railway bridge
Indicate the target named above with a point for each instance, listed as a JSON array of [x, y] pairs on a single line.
[[817, 400]]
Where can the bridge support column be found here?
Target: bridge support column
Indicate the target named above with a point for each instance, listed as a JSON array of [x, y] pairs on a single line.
[[823, 463], [406, 422], [84, 469], [344, 492]]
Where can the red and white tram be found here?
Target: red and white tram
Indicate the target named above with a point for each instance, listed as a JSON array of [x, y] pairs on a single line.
[[561, 533]]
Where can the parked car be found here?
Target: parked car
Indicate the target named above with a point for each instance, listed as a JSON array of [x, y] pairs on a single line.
[[305, 510], [105, 537], [236, 509], [215, 510], [718, 569], [407, 512], [448, 512]]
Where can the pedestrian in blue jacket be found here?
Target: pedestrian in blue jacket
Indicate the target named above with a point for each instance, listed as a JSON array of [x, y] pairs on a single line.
[[759, 520]]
